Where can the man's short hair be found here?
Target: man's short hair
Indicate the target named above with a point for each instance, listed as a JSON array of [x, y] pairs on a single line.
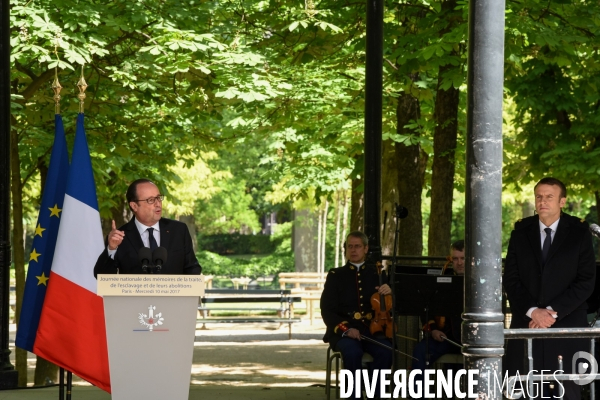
[[459, 245], [360, 235], [553, 182], [131, 194]]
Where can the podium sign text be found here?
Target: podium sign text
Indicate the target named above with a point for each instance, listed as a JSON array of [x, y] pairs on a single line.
[[150, 285]]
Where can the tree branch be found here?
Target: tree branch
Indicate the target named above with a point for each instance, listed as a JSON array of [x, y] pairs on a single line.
[[36, 83]]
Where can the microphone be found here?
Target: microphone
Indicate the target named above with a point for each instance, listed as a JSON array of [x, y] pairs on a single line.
[[145, 256], [401, 212], [595, 229], [159, 257]]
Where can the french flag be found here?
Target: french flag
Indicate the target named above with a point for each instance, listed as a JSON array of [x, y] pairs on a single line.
[[71, 331]]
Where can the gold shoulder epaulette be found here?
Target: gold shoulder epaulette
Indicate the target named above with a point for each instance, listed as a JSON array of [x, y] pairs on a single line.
[[519, 220], [332, 271], [582, 220]]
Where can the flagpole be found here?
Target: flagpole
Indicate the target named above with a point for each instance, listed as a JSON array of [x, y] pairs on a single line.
[[57, 87], [69, 384], [8, 374], [61, 383], [82, 85]]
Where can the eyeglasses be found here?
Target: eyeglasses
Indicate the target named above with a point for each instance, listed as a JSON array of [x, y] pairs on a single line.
[[152, 200]]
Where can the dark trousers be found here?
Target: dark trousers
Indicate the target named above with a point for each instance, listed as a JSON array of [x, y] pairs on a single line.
[[436, 350], [352, 351]]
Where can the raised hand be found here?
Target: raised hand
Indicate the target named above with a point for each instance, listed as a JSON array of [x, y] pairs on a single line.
[[115, 237]]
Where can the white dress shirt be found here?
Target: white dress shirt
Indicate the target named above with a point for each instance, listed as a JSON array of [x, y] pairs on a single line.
[[143, 230], [543, 234]]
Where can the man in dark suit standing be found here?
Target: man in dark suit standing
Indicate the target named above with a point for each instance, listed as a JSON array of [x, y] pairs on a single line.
[[147, 229], [548, 276]]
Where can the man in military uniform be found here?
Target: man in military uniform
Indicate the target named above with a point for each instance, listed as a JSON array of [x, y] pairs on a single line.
[[548, 276], [440, 327], [347, 312]]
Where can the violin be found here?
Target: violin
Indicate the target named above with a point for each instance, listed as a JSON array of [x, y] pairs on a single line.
[[381, 304]]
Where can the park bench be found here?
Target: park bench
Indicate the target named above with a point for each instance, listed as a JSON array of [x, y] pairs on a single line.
[[279, 301], [308, 285], [311, 279]]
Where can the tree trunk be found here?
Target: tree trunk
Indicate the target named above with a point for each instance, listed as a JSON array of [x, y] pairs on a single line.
[[338, 217], [319, 238], [410, 160], [389, 196], [117, 212], [357, 218], [442, 177], [528, 209], [597, 195], [18, 245], [342, 248], [324, 237], [190, 222], [117, 215], [46, 373], [444, 147]]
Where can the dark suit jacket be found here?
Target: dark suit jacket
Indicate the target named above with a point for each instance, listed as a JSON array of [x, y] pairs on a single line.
[[174, 236], [348, 291], [565, 282]]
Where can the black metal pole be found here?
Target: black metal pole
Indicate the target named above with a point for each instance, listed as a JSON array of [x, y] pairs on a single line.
[[61, 384], [69, 384], [8, 374], [482, 330], [373, 115]]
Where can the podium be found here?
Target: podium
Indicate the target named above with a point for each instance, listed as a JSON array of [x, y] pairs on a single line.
[[150, 331]]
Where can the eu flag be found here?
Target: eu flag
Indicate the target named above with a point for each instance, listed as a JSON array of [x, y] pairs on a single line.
[[44, 241]]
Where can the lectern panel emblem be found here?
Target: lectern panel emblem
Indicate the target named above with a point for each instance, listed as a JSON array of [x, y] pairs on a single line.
[[152, 321]]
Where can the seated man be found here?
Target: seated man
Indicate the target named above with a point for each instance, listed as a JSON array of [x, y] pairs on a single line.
[[439, 327], [347, 311]]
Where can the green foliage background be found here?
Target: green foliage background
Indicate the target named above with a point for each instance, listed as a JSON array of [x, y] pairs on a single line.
[[264, 100], [280, 260]]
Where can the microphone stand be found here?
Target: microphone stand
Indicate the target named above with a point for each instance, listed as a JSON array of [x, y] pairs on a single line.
[[401, 213]]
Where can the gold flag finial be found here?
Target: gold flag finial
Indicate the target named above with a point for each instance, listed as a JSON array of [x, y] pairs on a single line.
[[56, 87], [82, 85]]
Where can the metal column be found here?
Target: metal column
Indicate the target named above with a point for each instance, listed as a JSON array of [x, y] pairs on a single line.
[[482, 330], [8, 375]]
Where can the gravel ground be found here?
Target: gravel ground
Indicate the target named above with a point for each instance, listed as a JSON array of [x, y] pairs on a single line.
[[250, 355]]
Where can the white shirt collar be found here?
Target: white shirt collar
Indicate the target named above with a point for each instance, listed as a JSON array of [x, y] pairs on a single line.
[[357, 265], [142, 228], [553, 226]]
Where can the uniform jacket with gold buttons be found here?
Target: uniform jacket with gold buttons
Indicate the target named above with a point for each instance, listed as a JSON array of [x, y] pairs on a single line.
[[346, 299]]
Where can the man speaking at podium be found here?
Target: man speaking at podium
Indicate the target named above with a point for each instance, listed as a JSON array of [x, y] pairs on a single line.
[[147, 229]]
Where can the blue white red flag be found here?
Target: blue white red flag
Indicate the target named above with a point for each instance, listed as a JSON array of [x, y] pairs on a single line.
[[71, 330]]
